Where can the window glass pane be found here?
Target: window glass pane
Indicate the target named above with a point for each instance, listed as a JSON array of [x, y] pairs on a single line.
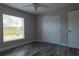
[[13, 28]]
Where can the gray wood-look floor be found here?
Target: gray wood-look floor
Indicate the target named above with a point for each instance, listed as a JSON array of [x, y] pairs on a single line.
[[41, 49]]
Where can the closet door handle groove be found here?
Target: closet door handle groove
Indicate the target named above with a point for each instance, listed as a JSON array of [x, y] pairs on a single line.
[[69, 30]]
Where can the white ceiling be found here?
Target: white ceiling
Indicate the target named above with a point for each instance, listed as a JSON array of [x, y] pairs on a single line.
[[52, 7]]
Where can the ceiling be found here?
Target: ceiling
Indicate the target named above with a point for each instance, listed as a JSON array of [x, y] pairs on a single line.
[[41, 10]]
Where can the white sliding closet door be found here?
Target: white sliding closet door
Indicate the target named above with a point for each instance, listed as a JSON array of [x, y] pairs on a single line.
[[51, 29], [73, 27]]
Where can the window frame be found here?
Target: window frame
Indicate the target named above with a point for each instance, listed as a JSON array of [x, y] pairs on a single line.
[[23, 28]]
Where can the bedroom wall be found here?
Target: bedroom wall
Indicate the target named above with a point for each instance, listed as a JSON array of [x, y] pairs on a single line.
[[30, 27], [63, 13]]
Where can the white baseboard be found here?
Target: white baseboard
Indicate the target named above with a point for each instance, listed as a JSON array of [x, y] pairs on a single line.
[[3, 49], [55, 43]]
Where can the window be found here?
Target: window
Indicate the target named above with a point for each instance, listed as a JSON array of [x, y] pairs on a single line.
[[13, 28]]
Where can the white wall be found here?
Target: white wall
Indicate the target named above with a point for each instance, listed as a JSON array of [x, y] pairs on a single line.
[[30, 27]]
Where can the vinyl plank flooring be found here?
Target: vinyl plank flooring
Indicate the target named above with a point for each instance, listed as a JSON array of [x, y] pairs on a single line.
[[41, 49]]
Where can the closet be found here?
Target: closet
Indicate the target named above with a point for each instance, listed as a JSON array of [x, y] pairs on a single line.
[[60, 29], [51, 29]]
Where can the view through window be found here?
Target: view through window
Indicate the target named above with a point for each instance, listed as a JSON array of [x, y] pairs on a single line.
[[13, 28]]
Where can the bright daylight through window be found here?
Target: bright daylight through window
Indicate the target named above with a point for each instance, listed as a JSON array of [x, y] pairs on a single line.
[[13, 28]]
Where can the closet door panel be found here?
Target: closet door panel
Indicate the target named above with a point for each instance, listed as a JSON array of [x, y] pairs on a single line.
[[73, 29], [51, 28]]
